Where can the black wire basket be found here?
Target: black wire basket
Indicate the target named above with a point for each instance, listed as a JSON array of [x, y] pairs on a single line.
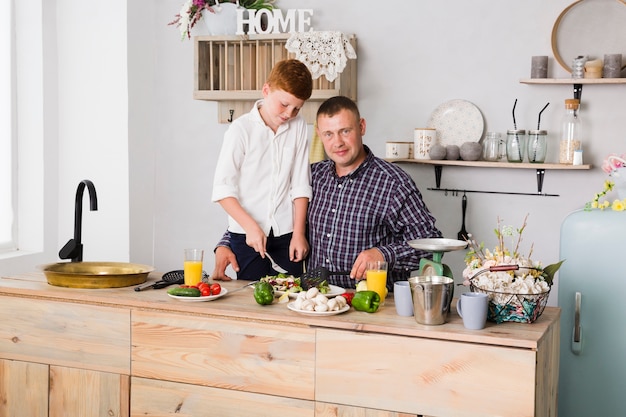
[[521, 308]]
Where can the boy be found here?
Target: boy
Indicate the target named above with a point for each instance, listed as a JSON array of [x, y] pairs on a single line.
[[262, 178]]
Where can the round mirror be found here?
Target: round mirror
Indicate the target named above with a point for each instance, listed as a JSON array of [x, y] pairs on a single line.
[[591, 28]]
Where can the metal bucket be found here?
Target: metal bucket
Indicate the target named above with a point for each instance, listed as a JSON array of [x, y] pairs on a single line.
[[432, 296]]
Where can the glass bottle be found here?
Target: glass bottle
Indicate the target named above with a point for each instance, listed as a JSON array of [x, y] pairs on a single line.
[[571, 132], [491, 146], [515, 145], [537, 146]]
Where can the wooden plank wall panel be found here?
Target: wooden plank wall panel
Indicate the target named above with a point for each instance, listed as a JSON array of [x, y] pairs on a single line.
[[66, 334], [153, 398], [238, 355], [421, 376], [78, 392], [15, 401]]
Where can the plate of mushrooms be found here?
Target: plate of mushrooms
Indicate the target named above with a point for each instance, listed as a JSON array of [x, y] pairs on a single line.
[[314, 303]]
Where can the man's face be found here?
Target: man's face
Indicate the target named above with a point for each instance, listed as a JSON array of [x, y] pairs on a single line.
[[342, 136]]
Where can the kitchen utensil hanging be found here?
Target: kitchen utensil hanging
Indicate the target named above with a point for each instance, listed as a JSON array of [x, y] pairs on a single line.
[[462, 235]]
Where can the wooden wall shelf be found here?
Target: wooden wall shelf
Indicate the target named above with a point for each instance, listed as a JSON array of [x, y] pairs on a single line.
[[573, 81], [576, 82], [540, 171], [232, 70]]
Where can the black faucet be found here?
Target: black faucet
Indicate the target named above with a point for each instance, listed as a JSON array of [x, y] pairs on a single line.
[[73, 249]]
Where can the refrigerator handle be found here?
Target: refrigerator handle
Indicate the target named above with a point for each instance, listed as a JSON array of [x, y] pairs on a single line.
[[577, 333]]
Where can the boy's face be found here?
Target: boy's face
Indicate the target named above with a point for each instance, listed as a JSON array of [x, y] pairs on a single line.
[[279, 106]]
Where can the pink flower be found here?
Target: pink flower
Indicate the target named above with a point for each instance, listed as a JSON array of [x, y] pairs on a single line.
[[610, 164]]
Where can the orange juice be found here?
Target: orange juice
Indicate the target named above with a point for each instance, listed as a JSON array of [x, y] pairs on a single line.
[[193, 272], [377, 281]]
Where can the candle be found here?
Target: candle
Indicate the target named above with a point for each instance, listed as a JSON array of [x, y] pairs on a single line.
[[539, 67], [612, 66]]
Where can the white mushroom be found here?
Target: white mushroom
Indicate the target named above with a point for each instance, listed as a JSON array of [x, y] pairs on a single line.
[[308, 305], [321, 307], [312, 293], [320, 299], [332, 305], [341, 301]]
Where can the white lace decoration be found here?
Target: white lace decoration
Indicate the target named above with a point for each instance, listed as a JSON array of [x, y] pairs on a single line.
[[324, 53]]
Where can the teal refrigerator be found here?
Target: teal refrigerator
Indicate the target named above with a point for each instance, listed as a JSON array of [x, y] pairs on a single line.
[[592, 296]]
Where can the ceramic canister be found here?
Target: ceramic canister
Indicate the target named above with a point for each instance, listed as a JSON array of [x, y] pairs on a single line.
[[423, 139], [398, 150]]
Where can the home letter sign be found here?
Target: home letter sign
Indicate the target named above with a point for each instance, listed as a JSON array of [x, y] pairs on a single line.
[[276, 22]]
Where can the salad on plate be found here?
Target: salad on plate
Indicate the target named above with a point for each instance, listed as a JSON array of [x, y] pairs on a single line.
[[285, 283]]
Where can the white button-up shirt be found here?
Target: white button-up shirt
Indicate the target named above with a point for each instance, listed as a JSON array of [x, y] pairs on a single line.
[[263, 170]]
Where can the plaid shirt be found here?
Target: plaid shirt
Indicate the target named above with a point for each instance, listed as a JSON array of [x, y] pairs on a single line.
[[377, 205]]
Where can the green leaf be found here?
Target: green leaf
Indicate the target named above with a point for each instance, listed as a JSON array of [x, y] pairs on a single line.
[[549, 271]]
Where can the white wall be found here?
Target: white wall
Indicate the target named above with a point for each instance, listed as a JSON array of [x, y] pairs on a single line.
[[130, 124], [93, 124], [72, 119], [412, 56]]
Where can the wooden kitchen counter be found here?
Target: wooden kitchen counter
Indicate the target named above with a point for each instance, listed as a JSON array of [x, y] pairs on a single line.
[[233, 354]]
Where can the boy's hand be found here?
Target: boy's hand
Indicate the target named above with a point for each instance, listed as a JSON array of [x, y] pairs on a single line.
[[298, 248], [256, 239]]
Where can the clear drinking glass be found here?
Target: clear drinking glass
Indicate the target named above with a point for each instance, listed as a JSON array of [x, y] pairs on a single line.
[[515, 140], [491, 146], [376, 276], [537, 146]]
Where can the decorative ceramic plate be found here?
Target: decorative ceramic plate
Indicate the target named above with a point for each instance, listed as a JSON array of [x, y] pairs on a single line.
[[200, 299], [291, 307], [437, 244], [334, 291], [457, 122]]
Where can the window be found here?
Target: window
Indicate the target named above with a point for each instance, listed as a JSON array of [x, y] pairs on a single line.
[[7, 136]]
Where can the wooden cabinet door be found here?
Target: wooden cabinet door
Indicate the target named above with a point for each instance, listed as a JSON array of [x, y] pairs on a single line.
[[65, 334], [154, 398], [236, 355], [424, 376], [79, 392], [23, 389], [337, 410]]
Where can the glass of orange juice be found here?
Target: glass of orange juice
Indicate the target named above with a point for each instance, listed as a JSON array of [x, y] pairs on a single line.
[[376, 277], [193, 266]]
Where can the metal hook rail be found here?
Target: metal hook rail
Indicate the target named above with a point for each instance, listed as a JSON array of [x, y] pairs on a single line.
[[455, 192], [540, 174]]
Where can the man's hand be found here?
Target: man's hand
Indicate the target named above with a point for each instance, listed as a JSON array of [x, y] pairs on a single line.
[[360, 265], [224, 256]]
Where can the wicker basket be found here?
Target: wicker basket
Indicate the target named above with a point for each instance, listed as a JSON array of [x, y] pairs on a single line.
[[521, 308]]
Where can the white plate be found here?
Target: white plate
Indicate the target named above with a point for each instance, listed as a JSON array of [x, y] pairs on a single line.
[[457, 122], [291, 307], [200, 299], [437, 244], [334, 291]]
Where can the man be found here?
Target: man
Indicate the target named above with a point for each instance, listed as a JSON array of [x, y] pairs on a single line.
[[363, 208]]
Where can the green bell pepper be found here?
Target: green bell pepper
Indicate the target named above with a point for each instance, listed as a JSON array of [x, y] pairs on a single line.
[[367, 301], [264, 293]]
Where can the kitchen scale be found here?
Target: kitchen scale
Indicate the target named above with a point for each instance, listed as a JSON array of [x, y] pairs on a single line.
[[438, 246]]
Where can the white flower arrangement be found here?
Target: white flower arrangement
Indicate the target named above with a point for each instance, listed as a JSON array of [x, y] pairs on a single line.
[[191, 12], [516, 284]]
